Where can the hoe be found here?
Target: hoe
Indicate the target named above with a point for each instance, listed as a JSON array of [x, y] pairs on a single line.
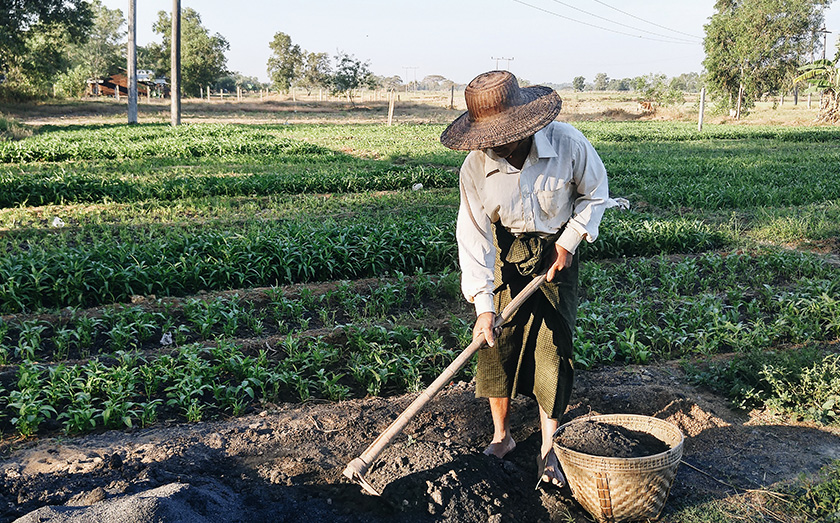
[[357, 468]]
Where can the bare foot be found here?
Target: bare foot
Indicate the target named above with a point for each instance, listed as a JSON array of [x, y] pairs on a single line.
[[551, 473], [500, 448]]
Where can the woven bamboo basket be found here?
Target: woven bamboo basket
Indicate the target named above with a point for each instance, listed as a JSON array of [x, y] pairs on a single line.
[[614, 490]]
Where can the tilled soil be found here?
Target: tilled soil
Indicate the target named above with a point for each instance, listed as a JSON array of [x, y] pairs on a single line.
[[285, 463]]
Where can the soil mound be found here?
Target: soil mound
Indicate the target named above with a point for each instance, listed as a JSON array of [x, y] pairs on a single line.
[[172, 502], [607, 440]]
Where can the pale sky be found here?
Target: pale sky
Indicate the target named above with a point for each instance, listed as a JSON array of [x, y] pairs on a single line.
[[542, 41]]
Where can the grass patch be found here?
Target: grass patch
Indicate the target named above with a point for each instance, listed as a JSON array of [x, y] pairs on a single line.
[[809, 499], [11, 129], [803, 383], [812, 223]]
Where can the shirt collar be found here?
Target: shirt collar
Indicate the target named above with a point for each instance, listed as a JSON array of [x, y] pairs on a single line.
[[540, 148], [542, 145]]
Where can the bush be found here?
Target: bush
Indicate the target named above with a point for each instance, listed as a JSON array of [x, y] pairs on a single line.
[[804, 383]]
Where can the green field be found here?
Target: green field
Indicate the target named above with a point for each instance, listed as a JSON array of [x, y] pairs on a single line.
[[150, 272]]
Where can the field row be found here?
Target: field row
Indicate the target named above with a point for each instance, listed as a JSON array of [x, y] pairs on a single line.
[[97, 265], [141, 221], [388, 338], [666, 167]]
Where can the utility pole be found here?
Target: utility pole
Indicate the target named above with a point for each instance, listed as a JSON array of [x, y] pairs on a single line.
[[176, 63], [132, 61], [406, 68], [507, 67], [824, 32]]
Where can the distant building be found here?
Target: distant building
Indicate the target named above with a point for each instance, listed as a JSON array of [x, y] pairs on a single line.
[[147, 85]]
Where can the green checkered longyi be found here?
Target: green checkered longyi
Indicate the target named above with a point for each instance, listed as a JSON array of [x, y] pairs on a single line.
[[533, 353]]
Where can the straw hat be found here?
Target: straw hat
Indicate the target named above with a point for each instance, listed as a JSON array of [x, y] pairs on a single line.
[[499, 112]]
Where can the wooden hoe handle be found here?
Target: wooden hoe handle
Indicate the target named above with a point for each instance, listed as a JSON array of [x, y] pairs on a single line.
[[356, 469]]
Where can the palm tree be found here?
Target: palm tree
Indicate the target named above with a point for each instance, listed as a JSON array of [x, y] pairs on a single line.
[[824, 74]]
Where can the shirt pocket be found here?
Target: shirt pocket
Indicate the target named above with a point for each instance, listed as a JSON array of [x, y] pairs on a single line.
[[555, 199]]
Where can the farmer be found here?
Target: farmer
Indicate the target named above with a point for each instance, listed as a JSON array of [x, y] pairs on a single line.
[[531, 190]]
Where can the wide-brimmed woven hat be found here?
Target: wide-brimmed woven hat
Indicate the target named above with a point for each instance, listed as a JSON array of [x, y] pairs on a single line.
[[500, 112]]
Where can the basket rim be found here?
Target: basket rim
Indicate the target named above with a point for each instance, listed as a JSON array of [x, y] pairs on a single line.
[[614, 460]]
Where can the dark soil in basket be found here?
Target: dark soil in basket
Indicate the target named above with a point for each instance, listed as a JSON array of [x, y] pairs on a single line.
[[608, 440]]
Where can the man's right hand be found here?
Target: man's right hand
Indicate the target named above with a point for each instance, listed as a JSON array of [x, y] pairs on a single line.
[[484, 325]]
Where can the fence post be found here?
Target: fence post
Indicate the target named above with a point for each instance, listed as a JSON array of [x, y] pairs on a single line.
[[391, 108], [702, 109]]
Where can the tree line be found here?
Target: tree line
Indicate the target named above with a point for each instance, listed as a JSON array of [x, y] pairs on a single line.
[[653, 87], [290, 66], [53, 47], [753, 48]]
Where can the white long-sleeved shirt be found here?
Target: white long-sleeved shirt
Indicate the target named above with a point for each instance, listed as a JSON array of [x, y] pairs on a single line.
[[562, 182]]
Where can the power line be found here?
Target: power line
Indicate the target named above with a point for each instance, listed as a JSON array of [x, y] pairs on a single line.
[[645, 20], [501, 58], [620, 23], [604, 28]]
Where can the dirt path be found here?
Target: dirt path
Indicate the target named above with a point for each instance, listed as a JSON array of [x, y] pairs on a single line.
[[285, 464]]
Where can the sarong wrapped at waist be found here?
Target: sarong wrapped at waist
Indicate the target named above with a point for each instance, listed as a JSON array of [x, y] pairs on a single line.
[[533, 353]]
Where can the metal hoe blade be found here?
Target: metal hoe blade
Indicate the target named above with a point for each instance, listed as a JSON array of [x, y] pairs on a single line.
[[353, 474]]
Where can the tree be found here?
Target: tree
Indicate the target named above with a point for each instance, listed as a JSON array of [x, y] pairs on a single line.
[[687, 82], [601, 82], [579, 83], [230, 82], [34, 35], [350, 74], [824, 75], [435, 82], [391, 83], [104, 52], [315, 73], [203, 58], [619, 85], [285, 62], [19, 17], [101, 56], [758, 44], [656, 88]]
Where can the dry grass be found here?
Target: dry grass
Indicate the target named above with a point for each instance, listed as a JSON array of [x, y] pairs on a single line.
[[372, 107], [11, 129]]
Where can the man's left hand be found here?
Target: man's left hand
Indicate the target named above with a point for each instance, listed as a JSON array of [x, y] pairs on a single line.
[[562, 260]]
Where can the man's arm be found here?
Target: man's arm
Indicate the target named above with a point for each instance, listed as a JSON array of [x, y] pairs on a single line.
[[476, 252], [593, 199]]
